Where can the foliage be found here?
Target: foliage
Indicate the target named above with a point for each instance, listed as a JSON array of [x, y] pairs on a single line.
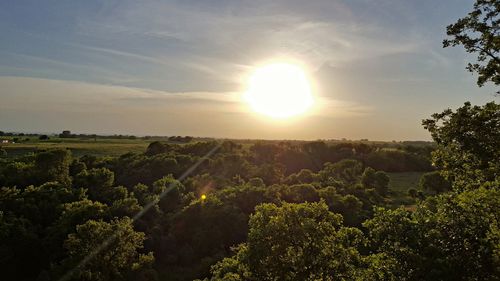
[[53, 165], [345, 171], [468, 142], [57, 207], [434, 182], [479, 33], [3, 152], [412, 192], [450, 237], [376, 179], [294, 242], [22, 253], [391, 160], [119, 259]]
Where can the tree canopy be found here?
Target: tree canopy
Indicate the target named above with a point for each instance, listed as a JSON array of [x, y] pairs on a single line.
[[479, 33]]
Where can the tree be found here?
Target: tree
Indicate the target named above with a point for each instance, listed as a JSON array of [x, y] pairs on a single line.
[[53, 165], [233, 268], [392, 160], [434, 182], [376, 179], [65, 134], [298, 193], [73, 214], [347, 171], [3, 152], [22, 251], [294, 242], [203, 231], [156, 147], [24, 220], [318, 150], [172, 193], [76, 167], [230, 165], [448, 237], [264, 152], [479, 33], [303, 176], [43, 137], [349, 206], [468, 142], [99, 183], [412, 192], [269, 173], [258, 182], [42, 205], [118, 260]]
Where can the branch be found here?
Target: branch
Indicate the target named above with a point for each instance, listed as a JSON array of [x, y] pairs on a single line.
[[497, 59]]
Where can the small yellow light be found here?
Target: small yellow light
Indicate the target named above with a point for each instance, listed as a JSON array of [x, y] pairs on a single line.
[[203, 197]]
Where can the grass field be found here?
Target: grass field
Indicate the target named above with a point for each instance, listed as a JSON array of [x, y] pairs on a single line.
[[399, 185], [401, 182], [78, 147]]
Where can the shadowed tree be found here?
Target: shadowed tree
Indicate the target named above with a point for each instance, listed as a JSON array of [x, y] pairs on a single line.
[[22, 255], [434, 182], [347, 171], [156, 147], [412, 192], [449, 237], [376, 179], [98, 182], [3, 152], [120, 260], [73, 214], [53, 165], [468, 142], [294, 242]]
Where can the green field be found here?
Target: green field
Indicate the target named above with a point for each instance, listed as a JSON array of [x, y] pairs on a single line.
[[78, 147], [400, 184]]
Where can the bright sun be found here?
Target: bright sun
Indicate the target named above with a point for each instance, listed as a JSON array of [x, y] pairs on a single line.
[[279, 90]]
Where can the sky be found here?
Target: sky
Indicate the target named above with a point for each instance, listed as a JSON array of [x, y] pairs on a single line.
[[377, 68]]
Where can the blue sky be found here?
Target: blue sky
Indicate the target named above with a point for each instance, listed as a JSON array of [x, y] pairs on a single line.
[[178, 67]]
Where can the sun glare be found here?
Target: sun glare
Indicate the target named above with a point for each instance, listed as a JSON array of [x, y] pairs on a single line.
[[279, 90]]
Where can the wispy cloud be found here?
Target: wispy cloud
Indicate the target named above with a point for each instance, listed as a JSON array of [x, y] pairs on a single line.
[[163, 62], [115, 52]]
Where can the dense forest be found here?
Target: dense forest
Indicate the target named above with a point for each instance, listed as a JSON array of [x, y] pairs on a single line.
[[62, 207], [271, 210], [186, 209]]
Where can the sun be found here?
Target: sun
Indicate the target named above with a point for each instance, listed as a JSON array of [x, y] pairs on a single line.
[[279, 90]]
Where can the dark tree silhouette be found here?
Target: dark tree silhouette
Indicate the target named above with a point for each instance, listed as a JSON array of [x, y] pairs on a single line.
[[479, 32]]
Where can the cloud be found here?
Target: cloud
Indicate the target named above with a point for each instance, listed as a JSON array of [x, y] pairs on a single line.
[[178, 66], [33, 103], [221, 39], [47, 92], [179, 46], [115, 52]]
